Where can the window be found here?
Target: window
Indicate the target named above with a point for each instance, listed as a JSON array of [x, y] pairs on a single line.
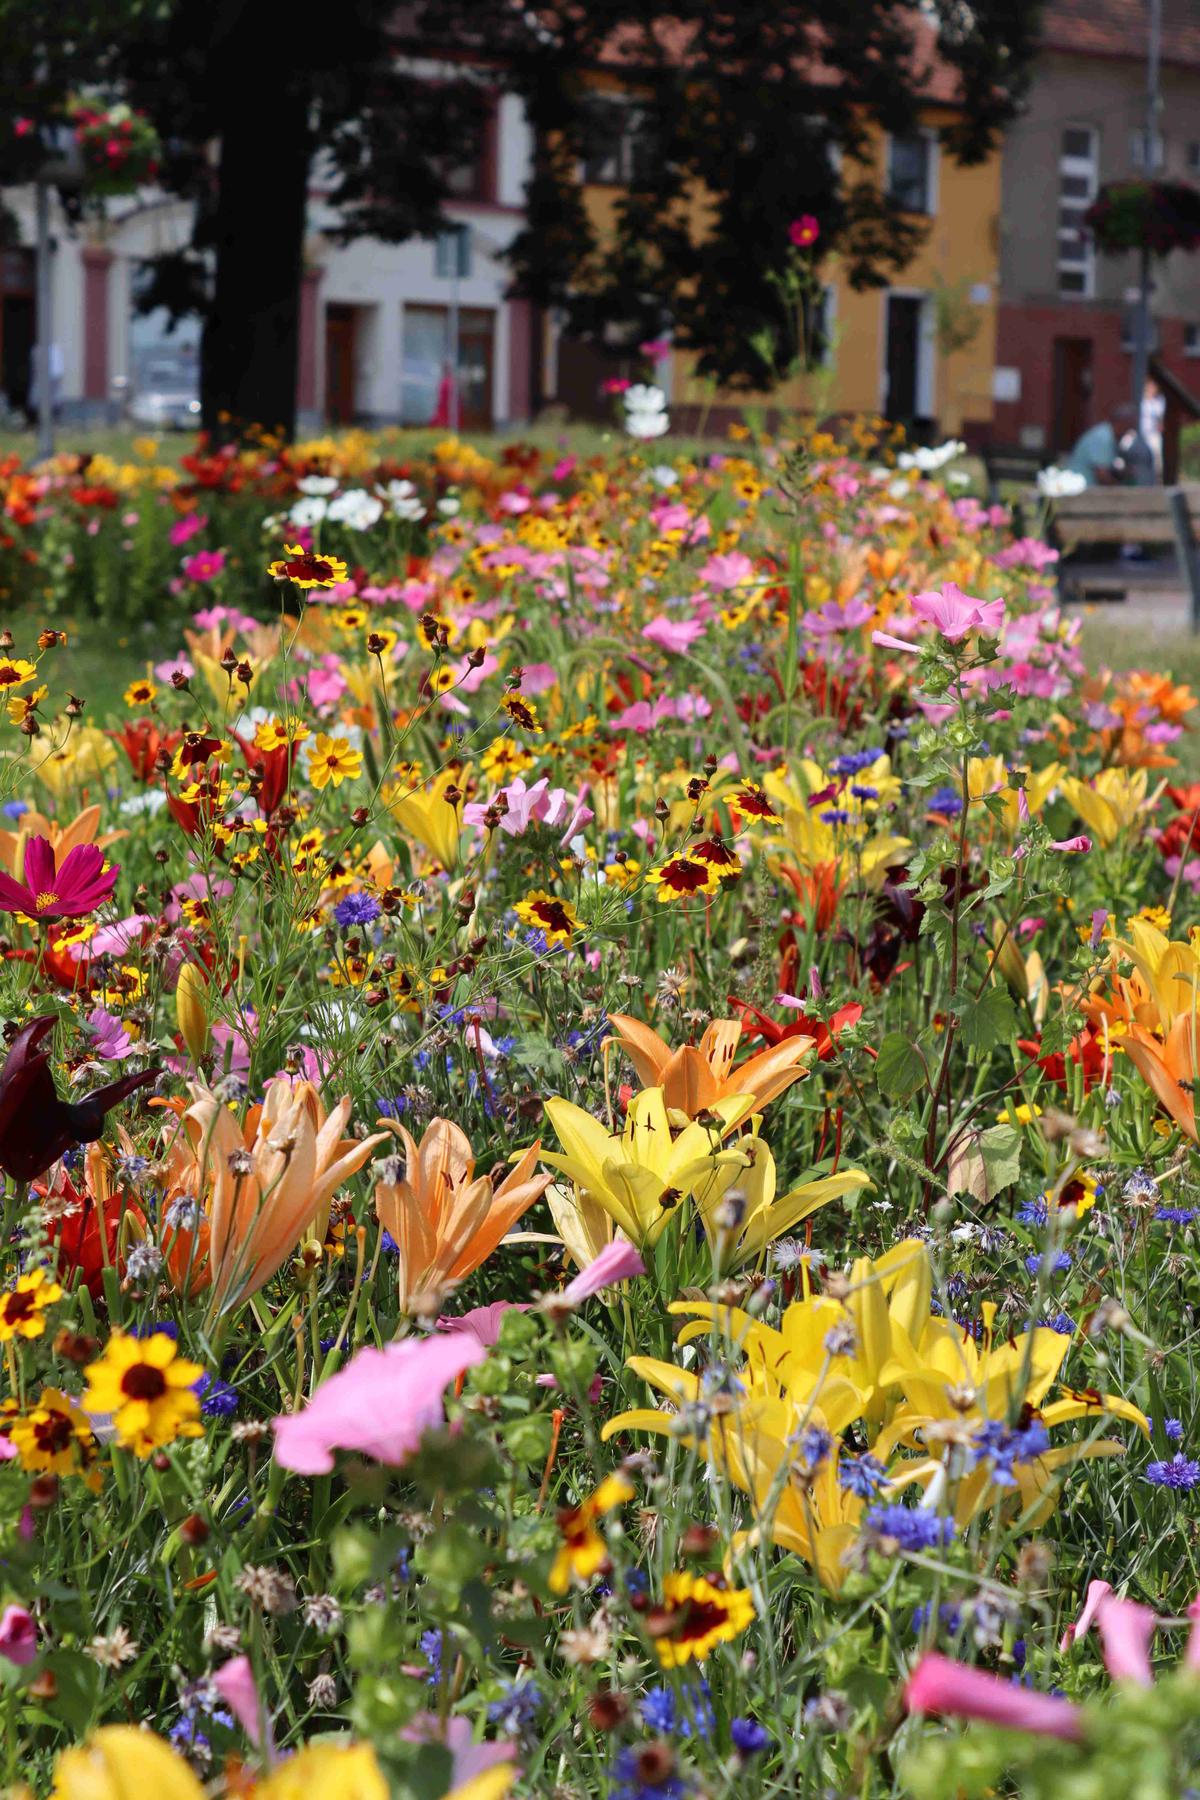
[[1078, 180], [1137, 150], [427, 362], [1193, 158], [1191, 340], [820, 324], [911, 172], [619, 144]]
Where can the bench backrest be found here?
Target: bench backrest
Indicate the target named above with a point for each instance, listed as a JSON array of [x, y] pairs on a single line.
[[1120, 515]]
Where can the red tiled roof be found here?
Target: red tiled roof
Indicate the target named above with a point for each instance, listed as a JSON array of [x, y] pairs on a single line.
[[1121, 28]]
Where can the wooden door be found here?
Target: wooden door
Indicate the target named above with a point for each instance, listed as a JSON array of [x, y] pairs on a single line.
[[476, 360], [1072, 391], [340, 322]]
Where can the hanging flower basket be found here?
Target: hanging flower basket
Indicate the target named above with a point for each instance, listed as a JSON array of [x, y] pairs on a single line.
[[1158, 216], [120, 147]]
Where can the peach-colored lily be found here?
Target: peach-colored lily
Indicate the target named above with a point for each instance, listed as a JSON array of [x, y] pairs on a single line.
[[444, 1218], [265, 1185], [695, 1077], [61, 838]]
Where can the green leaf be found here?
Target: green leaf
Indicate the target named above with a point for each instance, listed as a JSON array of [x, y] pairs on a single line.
[[78, 1679], [900, 1068], [1000, 1147], [988, 1021]]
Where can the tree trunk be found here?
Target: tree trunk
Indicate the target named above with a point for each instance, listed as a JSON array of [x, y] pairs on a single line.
[[251, 339]]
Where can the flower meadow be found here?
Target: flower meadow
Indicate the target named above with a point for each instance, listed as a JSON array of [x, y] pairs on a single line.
[[599, 1139]]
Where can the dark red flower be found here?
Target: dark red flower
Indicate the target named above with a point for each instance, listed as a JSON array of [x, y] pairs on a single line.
[[36, 1127]]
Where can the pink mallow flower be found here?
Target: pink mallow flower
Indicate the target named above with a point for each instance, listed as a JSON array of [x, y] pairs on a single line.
[[18, 1635], [955, 613], [676, 635], [379, 1405], [953, 1690], [618, 1261], [71, 891], [235, 1683]]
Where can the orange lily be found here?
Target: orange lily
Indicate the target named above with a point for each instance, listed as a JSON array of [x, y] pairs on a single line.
[[61, 838], [1169, 1068], [695, 1078], [445, 1219]]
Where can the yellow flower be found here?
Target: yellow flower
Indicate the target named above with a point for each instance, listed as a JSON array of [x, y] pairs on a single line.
[[333, 1771], [308, 569], [683, 877], [583, 1551], [557, 920], [837, 832], [20, 706], [503, 759], [277, 734], [55, 1438], [699, 1616], [15, 672], [21, 1309], [146, 1385], [120, 1760], [333, 760], [1112, 803], [140, 693], [432, 816], [522, 712]]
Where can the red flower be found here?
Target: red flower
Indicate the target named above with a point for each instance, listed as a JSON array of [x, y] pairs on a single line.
[[77, 888], [804, 231], [758, 1024], [1085, 1051], [36, 1127]]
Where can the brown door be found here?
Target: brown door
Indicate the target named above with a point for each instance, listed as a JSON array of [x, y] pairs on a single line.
[[1072, 391], [476, 351], [339, 364]]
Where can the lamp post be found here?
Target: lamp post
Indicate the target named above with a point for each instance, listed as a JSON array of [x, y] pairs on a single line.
[[1139, 457]]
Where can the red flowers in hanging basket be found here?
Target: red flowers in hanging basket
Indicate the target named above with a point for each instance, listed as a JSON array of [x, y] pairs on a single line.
[[1158, 216]]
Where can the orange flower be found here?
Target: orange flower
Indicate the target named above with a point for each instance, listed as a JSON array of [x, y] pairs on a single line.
[[1169, 1068], [445, 1219], [264, 1186], [695, 1078]]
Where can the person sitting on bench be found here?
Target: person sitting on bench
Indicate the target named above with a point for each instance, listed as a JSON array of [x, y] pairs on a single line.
[[1096, 457]]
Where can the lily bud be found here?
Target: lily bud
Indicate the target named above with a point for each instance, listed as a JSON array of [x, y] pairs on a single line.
[[191, 1012]]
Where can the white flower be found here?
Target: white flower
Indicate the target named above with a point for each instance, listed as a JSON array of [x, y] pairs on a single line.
[[152, 801], [931, 458], [309, 512], [664, 475], [356, 509], [449, 506], [643, 398], [1059, 484], [403, 500], [316, 484], [647, 424]]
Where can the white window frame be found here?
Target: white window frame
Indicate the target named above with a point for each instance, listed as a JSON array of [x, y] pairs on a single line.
[[932, 168], [1087, 167]]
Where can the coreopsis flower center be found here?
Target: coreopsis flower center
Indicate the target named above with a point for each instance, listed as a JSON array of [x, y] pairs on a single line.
[[54, 1434], [143, 1382], [20, 1305]]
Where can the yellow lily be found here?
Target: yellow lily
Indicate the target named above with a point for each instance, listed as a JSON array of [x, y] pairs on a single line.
[[1115, 801], [642, 1174], [84, 756], [428, 816], [120, 1760], [989, 775], [335, 1771], [749, 1170]]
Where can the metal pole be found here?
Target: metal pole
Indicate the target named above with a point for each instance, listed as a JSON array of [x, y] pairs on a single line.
[[45, 323], [1140, 459], [455, 265]]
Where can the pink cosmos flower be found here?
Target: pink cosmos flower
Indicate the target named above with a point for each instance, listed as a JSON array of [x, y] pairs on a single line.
[[187, 527], [50, 892], [111, 1040], [676, 635], [951, 1689], [379, 1405], [727, 571], [180, 665], [1126, 1630], [618, 1261], [18, 1635], [804, 231], [955, 613], [206, 565]]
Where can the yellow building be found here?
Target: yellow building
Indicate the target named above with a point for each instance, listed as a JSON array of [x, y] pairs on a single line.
[[920, 350]]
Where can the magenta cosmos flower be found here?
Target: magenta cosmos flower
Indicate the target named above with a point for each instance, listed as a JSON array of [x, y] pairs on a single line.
[[49, 891], [804, 231]]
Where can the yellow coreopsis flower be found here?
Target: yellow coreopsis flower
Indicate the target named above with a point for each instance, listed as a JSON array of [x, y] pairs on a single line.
[[333, 760], [55, 1438], [583, 1552], [23, 1308], [697, 1616], [146, 1386]]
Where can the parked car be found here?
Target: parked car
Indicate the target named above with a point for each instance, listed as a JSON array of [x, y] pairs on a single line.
[[165, 400]]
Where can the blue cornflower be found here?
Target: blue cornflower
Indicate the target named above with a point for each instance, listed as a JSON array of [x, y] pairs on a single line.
[[949, 1618], [218, 1400], [863, 793], [853, 762], [946, 800], [1175, 1215], [749, 1737], [152, 1327], [1058, 1264], [394, 1108], [357, 909], [1181, 1472], [996, 1443], [1172, 1428], [1141, 1185], [912, 1527], [812, 1447], [1034, 1212], [837, 815], [862, 1475], [431, 1643], [1061, 1322], [517, 1707], [689, 1714], [388, 1244]]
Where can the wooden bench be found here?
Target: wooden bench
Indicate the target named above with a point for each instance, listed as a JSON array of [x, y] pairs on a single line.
[[1153, 517], [1009, 463]]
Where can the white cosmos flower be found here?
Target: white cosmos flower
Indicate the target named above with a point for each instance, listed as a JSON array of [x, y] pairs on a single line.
[[664, 475], [403, 500], [309, 512], [317, 484], [356, 509], [1059, 484]]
